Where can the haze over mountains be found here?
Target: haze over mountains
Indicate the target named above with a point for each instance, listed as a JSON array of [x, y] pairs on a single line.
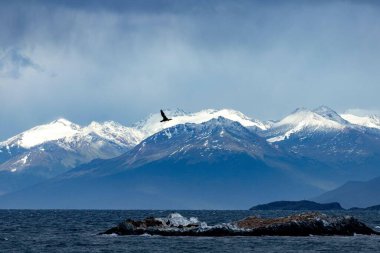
[[354, 194], [209, 159]]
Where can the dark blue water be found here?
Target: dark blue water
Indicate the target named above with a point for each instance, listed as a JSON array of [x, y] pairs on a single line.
[[76, 231]]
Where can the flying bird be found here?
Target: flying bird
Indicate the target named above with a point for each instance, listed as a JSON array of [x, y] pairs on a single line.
[[164, 118]]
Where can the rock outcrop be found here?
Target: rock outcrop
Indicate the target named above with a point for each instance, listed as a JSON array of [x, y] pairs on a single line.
[[304, 224]]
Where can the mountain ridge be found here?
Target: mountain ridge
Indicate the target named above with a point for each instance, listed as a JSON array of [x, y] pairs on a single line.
[[324, 152], [153, 175]]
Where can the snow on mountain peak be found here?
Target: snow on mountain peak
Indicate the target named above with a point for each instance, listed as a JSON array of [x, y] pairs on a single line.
[[152, 124], [320, 119], [113, 131], [54, 130], [62, 121], [330, 114], [323, 109], [371, 121], [308, 118], [68, 132]]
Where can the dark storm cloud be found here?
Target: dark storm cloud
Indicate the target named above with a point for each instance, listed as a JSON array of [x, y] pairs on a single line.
[[13, 62], [118, 59]]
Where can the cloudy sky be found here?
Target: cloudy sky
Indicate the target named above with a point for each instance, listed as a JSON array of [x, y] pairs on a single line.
[[121, 60]]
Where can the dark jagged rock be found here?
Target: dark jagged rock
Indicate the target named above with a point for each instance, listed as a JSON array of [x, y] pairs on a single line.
[[298, 205], [304, 224]]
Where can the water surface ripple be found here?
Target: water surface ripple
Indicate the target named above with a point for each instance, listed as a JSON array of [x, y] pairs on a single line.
[[76, 231]]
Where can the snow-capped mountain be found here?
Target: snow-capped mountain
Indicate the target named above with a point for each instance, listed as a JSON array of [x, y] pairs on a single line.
[[99, 140], [65, 131], [330, 114], [323, 135], [322, 119], [48, 150], [199, 142], [112, 131], [51, 149], [305, 122], [55, 130], [152, 124], [371, 121]]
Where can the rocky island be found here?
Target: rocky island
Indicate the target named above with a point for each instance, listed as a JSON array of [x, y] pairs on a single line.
[[298, 205], [303, 224], [370, 208]]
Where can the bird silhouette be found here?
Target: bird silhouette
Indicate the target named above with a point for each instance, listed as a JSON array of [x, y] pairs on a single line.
[[164, 118]]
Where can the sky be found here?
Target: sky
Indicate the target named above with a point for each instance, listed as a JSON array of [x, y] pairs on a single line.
[[122, 60]]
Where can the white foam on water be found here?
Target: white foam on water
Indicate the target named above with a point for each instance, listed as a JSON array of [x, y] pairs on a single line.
[[146, 235], [176, 219]]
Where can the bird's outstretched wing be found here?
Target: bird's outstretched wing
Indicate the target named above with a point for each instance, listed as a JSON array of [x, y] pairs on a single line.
[[164, 118], [163, 115]]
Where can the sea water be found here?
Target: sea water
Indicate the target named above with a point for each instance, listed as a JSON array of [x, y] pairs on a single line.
[[77, 231]]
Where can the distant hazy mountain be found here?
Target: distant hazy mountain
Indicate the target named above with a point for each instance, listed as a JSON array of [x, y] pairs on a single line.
[[354, 194]]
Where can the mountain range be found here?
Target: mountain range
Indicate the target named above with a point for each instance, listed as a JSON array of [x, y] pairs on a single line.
[[51, 149], [217, 159]]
